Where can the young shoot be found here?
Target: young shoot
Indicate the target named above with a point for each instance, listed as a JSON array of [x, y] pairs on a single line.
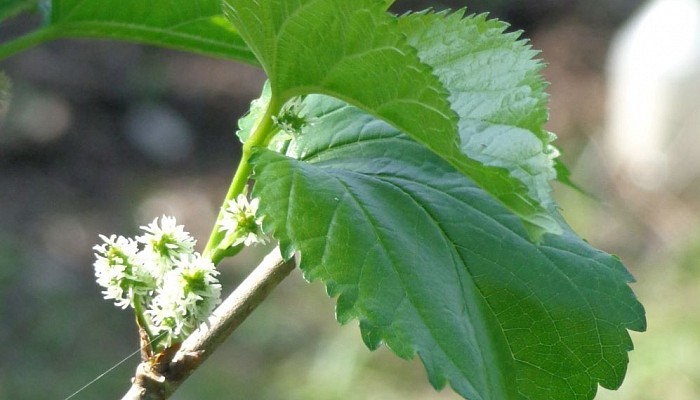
[[241, 224]]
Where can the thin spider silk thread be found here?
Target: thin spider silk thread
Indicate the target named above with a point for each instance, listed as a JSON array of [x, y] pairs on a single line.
[[102, 375]]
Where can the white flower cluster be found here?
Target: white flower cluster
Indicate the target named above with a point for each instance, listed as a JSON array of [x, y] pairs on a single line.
[[240, 222], [160, 274]]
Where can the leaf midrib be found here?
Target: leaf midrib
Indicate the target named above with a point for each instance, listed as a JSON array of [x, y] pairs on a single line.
[[549, 261], [406, 292], [71, 26], [387, 180]]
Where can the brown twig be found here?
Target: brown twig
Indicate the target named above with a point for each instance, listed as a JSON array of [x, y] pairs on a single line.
[[158, 380]]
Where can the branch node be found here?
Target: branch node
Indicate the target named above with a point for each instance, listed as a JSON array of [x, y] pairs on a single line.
[[160, 375]]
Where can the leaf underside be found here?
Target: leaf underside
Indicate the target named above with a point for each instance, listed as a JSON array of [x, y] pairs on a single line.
[[496, 89], [430, 264], [194, 25], [397, 70]]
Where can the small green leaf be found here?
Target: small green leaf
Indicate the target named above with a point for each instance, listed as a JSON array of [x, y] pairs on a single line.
[[430, 264], [247, 124], [194, 25]]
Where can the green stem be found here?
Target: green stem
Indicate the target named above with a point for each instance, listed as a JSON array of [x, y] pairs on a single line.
[[141, 319], [25, 42], [260, 137]]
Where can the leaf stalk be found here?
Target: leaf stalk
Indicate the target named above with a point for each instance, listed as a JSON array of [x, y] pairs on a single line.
[[262, 134]]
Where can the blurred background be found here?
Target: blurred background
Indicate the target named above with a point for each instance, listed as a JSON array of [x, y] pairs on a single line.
[[101, 137]]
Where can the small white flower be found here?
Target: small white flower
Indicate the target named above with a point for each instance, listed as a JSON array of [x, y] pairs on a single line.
[[164, 243], [119, 271], [240, 223], [188, 294], [168, 315], [201, 287], [291, 118]]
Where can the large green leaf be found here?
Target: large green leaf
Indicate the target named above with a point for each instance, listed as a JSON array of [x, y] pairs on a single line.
[[194, 25], [357, 52], [430, 264]]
